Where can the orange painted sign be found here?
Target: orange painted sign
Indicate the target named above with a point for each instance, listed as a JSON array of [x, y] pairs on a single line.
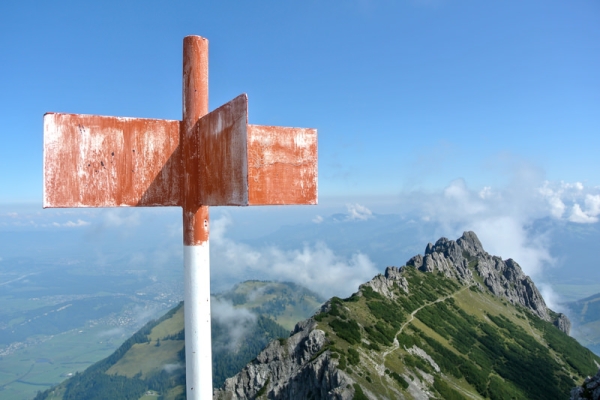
[[96, 161]]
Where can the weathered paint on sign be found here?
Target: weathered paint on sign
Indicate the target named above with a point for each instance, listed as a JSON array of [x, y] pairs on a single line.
[[282, 165], [221, 142], [96, 161]]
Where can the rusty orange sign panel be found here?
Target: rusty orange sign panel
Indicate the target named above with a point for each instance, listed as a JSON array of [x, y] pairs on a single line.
[[282, 165], [96, 161]]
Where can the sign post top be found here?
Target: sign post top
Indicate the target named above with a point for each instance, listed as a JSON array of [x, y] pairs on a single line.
[[206, 159]]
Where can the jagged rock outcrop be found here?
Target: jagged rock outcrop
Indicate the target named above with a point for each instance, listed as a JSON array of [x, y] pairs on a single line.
[[462, 258], [419, 352], [294, 369], [590, 390], [563, 323], [384, 284], [449, 258]]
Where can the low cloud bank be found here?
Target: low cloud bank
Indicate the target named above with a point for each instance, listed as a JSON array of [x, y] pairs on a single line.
[[314, 266], [237, 323], [358, 212]]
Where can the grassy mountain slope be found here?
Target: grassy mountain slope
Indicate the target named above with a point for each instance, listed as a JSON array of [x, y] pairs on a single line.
[[154, 358], [585, 314], [463, 325], [476, 345]]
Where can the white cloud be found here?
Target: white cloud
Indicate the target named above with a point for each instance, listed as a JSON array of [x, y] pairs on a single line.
[[318, 219], [579, 216], [119, 331], [71, 224], [170, 368], [501, 217], [79, 222], [592, 204], [551, 298], [557, 207], [237, 321], [316, 266], [507, 237], [120, 217], [319, 269], [358, 212], [142, 314], [563, 196], [256, 293], [486, 192]]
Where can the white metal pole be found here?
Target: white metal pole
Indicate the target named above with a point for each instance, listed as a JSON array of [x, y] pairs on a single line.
[[198, 359]]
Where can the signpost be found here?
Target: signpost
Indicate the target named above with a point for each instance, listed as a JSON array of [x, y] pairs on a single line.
[[207, 159]]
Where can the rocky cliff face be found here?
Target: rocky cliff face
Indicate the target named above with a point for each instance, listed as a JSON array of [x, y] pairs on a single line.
[[303, 367], [292, 369]]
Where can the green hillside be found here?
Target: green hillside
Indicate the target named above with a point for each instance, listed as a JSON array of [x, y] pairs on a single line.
[[453, 341], [585, 314], [285, 302], [152, 361]]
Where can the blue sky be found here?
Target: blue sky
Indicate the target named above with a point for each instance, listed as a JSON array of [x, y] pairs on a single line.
[[452, 116], [406, 95]]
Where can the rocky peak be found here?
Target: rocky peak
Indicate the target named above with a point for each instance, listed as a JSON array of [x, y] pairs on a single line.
[[470, 243], [467, 261], [447, 257]]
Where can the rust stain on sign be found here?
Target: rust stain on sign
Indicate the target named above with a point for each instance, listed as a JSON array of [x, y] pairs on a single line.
[[96, 161], [282, 165]]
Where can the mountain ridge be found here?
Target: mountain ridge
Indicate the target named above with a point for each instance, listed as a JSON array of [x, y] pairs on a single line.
[[392, 338]]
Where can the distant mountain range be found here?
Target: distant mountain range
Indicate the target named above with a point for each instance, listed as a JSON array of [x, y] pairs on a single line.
[[455, 323]]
